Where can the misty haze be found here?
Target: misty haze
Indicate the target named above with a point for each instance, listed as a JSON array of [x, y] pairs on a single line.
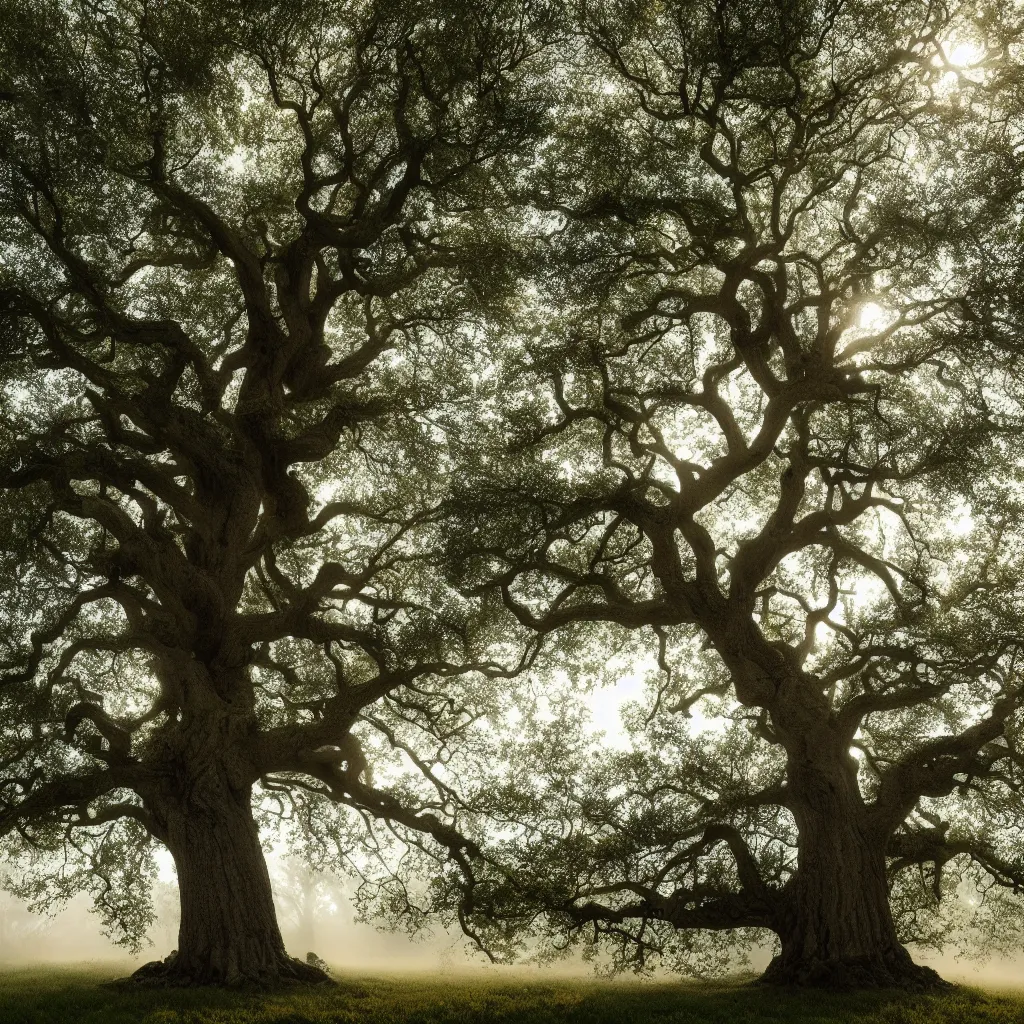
[[511, 510]]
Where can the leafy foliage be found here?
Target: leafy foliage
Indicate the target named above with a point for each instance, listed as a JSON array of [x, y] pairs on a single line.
[[363, 357], [766, 410], [243, 248]]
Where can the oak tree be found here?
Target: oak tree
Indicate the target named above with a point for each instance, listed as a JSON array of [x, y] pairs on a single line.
[[239, 246], [764, 408]]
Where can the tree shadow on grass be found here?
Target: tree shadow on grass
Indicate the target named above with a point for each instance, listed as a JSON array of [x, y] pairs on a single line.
[[78, 995]]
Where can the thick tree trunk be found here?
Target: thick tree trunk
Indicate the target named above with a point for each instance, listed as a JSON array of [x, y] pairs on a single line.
[[228, 933], [836, 924]]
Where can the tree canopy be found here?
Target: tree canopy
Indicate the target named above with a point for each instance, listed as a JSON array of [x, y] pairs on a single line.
[[766, 408], [239, 246], [374, 368]]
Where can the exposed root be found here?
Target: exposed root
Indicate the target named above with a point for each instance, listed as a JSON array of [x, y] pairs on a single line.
[[899, 972], [176, 972]]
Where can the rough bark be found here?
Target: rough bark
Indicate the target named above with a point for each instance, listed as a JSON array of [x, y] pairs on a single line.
[[228, 933], [835, 922]]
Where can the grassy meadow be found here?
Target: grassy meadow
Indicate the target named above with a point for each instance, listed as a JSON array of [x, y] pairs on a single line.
[[83, 995]]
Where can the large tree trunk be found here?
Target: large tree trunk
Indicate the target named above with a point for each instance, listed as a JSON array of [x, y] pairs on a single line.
[[228, 933], [836, 924]]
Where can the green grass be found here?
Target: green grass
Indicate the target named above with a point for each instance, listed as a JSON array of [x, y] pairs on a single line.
[[79, 995]]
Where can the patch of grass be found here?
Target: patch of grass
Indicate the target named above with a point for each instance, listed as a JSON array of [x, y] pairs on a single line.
[[79, 996]]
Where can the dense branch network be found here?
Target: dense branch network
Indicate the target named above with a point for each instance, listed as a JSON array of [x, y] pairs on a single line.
[[234, 282], [766, 382]]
